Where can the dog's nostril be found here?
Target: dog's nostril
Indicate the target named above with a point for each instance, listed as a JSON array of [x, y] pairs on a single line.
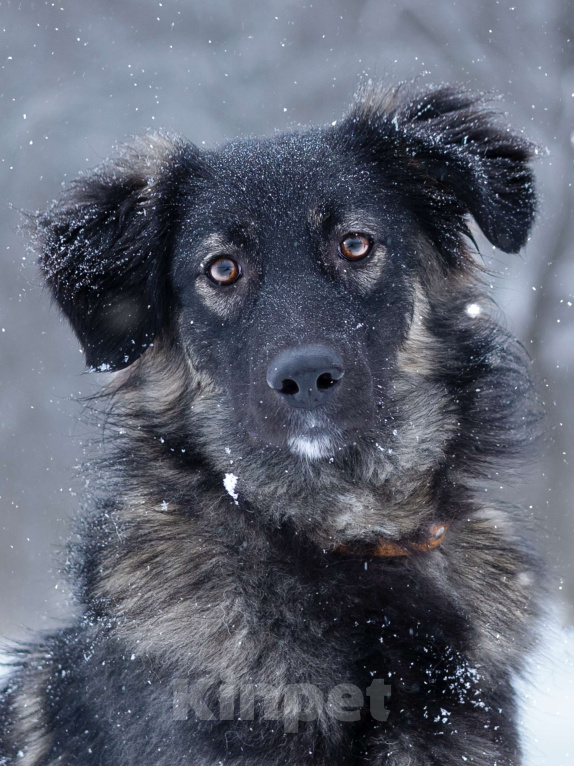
[[325, 381], [289, 387]]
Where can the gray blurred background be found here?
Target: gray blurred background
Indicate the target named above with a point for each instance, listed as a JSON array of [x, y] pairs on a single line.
[[78, 76]]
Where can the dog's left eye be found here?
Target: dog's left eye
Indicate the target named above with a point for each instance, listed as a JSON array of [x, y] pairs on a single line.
[[355, 247], [223, 271]]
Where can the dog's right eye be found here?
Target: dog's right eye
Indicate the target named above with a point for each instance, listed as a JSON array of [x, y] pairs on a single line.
[[223, 271]]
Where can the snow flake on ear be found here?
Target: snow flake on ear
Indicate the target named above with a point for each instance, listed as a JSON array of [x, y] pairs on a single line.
[[104, 367]]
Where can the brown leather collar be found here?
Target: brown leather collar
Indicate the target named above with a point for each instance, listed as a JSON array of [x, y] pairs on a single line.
[[386, 547]]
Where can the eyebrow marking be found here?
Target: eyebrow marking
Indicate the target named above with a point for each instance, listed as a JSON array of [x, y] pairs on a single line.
[[327, 220], [358, 221], [318, 217]]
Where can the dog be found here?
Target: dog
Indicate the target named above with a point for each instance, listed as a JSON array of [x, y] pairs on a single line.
[[293, 550]]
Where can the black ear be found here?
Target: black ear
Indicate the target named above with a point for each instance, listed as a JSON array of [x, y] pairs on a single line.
[[458, 153], [105, 248]]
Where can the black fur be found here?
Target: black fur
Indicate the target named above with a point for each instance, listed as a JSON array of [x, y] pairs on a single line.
[[272, 580]]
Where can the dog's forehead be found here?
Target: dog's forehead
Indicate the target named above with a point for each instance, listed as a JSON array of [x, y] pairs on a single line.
[[290, 173]]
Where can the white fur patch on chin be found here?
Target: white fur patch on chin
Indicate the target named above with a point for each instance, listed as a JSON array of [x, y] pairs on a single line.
[[311, 448]]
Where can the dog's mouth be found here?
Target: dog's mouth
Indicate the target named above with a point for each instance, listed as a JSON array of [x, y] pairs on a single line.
[[308, 435]]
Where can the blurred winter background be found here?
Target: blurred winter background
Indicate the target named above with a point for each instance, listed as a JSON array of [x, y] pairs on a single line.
[[78, 76]]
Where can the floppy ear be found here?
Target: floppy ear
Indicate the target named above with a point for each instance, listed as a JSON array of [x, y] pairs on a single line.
[[459, 156], [105, 247]]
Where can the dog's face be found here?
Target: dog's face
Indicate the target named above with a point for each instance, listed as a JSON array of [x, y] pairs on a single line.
[[294, 277], [292, 272]]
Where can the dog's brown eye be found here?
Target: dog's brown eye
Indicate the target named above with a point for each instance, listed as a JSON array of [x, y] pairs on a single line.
[[223, 271], [355, 246]]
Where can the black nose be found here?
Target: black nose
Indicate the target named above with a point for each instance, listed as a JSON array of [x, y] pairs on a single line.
[[306, 376]]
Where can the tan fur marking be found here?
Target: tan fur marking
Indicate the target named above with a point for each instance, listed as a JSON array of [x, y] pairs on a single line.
[[31, 735], [485, 570], [418, 353]]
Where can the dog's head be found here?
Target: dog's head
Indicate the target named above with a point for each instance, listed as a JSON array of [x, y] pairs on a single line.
[[318, 283]]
